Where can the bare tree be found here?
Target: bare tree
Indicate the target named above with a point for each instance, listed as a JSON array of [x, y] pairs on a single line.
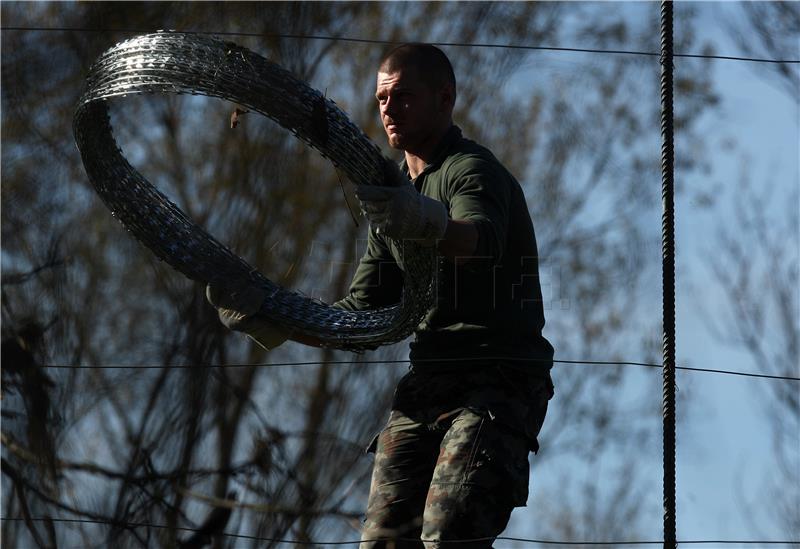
[[167, 446], [758, 261], [758, 270], [770, 30]]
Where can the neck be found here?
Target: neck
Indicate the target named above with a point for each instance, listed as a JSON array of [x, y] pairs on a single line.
[[417, 159]]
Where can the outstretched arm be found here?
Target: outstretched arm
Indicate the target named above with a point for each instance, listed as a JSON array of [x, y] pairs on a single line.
[[460, 239]]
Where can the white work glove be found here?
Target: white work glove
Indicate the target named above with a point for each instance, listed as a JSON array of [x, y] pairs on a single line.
[[238, 309], [403, 213]]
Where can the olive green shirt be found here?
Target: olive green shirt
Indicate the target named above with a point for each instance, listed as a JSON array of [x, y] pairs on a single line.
[[487, 307]]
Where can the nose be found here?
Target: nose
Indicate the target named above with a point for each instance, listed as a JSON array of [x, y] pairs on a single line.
[[389, 106]]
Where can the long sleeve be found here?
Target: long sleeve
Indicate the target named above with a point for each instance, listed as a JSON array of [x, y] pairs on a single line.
[[480, 191], [378, 281]]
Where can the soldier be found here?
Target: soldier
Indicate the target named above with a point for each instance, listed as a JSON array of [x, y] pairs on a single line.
[[452, 461]]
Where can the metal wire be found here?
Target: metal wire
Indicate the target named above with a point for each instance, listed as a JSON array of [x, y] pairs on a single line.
[[354, 542], [402, 361], [183, 63], [389, 42], [668, 271]]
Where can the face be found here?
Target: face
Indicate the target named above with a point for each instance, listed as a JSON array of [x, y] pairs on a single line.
[[411, 112]]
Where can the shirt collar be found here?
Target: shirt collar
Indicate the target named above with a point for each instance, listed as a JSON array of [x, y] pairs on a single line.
[[451, 137]]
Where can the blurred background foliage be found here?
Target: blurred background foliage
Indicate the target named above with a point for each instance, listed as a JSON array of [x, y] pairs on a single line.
[[278, 452]]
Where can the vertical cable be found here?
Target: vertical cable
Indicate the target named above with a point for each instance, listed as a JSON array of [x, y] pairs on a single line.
[[668, 270]]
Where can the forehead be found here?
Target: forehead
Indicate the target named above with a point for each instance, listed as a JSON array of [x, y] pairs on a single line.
[[406, 77]]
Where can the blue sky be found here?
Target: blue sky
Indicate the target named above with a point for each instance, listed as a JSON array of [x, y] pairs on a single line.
[[726, 451], [724, 444]]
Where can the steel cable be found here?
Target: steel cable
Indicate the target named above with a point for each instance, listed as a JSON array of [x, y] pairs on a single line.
[[403, 361], [355, 542], [389, 43], [668, 271]]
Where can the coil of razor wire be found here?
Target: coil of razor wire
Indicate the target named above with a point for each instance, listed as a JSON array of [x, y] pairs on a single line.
[[180, 63]]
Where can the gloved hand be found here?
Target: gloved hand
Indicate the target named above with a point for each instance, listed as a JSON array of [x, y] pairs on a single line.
[[403, 213], [238, 308]]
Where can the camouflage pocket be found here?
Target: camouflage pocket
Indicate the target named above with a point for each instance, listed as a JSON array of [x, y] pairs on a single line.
[[479, 452]]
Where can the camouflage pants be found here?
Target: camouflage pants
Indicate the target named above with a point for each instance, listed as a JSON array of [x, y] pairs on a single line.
[[453, 476]]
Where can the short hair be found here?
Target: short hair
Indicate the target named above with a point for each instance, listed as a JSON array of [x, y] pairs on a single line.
[[433, 65]]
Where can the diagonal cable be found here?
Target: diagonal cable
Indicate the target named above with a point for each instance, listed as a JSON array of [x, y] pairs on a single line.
[[402, 361], [390, 42]]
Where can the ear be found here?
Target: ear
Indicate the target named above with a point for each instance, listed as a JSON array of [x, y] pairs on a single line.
[[447, 97]]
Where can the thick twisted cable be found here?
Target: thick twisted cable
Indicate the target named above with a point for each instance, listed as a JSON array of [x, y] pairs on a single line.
[[668, 272], [199, 65]]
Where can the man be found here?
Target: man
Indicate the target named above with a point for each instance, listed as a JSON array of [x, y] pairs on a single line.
[[452, 461]]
